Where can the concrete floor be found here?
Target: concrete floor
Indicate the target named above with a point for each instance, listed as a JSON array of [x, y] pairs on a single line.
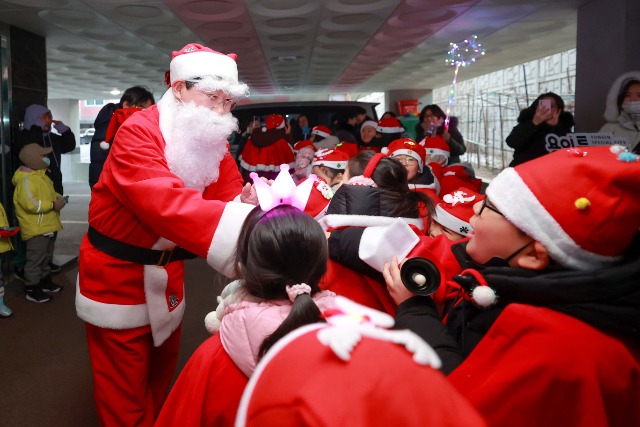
[[45, 373]]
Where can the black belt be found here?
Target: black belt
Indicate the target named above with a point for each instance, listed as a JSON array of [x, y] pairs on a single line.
[[131, 253]]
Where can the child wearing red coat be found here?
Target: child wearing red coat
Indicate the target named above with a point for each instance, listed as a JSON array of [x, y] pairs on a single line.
[[280, 257], [268, 148], [544, 330]]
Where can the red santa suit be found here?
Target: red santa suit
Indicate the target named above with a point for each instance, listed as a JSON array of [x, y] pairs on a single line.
[[267, 148], [133, 310], [540, 381]]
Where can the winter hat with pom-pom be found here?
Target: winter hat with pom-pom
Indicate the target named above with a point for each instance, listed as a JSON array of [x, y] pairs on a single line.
[[408, 147]]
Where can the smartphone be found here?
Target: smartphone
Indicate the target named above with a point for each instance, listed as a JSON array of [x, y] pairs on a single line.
[[545, 103], [66, 199]]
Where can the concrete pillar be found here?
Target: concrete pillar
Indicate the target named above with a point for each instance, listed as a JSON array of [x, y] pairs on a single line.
[[607, 46]]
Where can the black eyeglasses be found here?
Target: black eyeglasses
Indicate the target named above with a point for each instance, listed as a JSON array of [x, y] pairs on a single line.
[[487, 204]]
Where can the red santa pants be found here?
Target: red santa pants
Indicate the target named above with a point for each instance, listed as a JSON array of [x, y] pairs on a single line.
[[131, 377]]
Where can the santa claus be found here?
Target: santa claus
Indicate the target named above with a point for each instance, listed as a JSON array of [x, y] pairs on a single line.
[[169, 191]]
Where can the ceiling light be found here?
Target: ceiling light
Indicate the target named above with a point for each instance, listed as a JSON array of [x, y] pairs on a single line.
[[115, 92]]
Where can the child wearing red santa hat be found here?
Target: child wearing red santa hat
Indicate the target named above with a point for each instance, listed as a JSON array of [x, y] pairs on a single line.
[[267, 148], [303, 151], [414, 158], [389, 129], [328, 167], [449, 177], [548, 294], [352, 371], [374, 194], [453, 214], [280, 257], [322, 138]]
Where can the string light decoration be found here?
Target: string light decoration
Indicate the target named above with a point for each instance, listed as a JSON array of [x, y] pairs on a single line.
[[461, 54]]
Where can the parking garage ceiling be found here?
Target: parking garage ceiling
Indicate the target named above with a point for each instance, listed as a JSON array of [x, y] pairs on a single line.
[[298, 49]]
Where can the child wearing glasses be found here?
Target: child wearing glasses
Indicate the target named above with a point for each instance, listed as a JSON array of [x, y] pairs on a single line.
[[413, 157], [542, 320]]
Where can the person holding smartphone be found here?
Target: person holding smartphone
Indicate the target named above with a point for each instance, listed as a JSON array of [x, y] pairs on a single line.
[[545, 116]]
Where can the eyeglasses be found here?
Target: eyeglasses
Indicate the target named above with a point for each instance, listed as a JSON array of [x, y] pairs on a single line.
[[407, 160], [227, 105], [487, 204]]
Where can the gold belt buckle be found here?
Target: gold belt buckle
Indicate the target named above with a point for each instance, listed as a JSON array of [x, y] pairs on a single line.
[[165, 257]]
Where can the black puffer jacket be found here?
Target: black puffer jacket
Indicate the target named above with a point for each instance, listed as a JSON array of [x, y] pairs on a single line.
[[607, 299], [98, 155], [528, 140]]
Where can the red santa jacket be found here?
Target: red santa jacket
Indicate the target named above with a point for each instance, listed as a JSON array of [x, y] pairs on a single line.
[[140, 202], [208, 390], [539, 367], [266, 151]]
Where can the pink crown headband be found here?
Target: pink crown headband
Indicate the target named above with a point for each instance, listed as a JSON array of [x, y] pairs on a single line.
[[283, 191]]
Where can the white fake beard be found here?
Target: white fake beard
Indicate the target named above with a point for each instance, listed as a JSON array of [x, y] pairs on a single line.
[[198, 144]]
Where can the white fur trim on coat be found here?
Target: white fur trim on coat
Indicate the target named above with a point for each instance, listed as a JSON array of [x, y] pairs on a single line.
[[611, 112], [163, 322], [335, 221], [509, 193], [110, 316], [166, 110], [379, 244], [225, 238]]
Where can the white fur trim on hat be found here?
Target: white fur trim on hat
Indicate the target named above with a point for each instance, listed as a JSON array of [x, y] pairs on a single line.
[[410, 153], [190, 66], [369, 123], [336, 164], [452, 222], [438, 152], [339, 220], [320, 133], [611, 113], [389, 129], [513, 198]]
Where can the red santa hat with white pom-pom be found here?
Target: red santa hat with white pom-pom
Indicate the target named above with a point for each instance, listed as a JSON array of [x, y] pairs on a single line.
[[333, 159], [456, 209], [274, 121], [436, 146], [321, 130], [408, 147]]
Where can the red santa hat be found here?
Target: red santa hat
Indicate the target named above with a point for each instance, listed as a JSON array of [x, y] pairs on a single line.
[[456, 209], [273, 121], [390, 125], [301, 381], [319, 198], [582, 204], [195, 62], [304, 143], [334, 159], [436, 146], [321, 130], [408, 147]]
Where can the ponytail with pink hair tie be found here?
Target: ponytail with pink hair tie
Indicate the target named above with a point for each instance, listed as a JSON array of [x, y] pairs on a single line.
[[299, 289]]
